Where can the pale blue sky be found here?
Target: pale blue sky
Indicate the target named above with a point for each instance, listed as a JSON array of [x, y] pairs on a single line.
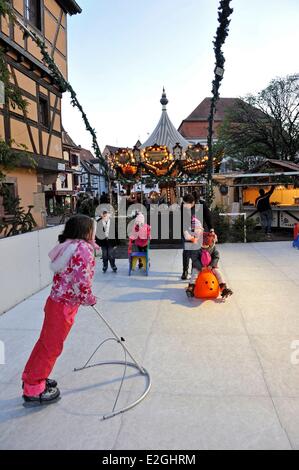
[[122, 52]]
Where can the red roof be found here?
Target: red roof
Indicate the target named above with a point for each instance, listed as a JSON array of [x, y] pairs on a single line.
[[195, 126], [202, 112]]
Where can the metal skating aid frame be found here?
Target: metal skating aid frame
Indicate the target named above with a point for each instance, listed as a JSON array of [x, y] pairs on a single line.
[[125, 363]]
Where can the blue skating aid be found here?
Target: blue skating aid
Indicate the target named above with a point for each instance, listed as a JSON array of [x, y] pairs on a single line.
[[296, 243]]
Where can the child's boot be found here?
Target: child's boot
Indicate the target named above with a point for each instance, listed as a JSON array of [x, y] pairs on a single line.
[[190, 290], [49, 396], [50, 383], [225, 291]]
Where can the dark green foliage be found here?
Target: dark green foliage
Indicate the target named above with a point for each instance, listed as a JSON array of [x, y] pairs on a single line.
[[10, 157], [237, 230], [265, 125], [65, 86], [224, 12], [10, 202], [5, 9], [220, 224], [58, 210], [88, 207], [60, 81], [12, 93], [232, 229], [22, 222]]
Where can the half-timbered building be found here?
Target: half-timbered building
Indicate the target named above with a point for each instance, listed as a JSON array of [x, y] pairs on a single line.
[[40, 127]]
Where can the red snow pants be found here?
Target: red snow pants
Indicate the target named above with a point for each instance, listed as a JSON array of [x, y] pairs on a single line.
[[58, 321]]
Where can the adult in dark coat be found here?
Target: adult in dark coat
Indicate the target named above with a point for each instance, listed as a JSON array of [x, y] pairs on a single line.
[[264, 208], [189, 210], [106, 238], [104, 199]]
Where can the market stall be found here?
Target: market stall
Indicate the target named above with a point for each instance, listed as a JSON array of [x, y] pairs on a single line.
[[285, 198]]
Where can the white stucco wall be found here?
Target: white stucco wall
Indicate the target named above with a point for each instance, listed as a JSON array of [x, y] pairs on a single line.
[[24, 265]]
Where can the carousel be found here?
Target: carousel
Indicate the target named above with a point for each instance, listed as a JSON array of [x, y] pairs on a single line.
[[164, 167]]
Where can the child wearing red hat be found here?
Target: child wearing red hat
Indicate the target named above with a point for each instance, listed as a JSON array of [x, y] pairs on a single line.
[[206, 255]]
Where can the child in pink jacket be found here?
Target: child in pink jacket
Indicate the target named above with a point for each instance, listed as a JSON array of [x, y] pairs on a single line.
[[140, 235], [73, 263]]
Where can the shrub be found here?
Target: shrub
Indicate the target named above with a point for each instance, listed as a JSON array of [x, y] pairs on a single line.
[[237, 230], [220, 224]]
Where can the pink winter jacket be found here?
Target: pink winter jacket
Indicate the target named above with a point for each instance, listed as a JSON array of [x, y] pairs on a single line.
[[73, 263], [140, 235]]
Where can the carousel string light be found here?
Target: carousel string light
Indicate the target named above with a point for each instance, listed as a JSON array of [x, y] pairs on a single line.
[[162, 165]]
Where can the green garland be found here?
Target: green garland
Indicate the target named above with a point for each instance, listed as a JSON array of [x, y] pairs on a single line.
[[59, 80], [6, 10], [224, 11], [162, 179], [8, 156], [12, 93], [167, 177], [64, 86]]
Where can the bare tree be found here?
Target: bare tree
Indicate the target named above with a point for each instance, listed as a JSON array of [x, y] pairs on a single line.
[[265, 125]]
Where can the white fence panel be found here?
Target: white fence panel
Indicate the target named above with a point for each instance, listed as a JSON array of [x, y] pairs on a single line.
[[24, 265], [47, 240]]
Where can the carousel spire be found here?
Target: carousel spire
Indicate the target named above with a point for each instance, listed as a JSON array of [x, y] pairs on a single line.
[[164, 100], [165, 133]]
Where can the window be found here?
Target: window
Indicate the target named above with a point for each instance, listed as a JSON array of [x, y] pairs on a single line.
[[33, 13], [76, 181], [74, 160], [44, 111], [10, 199], [64, 181]]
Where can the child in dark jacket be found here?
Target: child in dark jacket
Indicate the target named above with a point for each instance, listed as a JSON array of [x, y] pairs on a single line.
[[106, 238]]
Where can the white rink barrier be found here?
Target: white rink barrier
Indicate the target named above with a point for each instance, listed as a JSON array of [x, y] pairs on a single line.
[[24, 265]]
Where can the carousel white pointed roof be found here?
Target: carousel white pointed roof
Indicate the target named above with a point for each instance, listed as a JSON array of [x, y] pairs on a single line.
[[165, 133]]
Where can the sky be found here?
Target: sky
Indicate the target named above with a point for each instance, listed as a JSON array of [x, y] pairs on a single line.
[[122, 52]]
